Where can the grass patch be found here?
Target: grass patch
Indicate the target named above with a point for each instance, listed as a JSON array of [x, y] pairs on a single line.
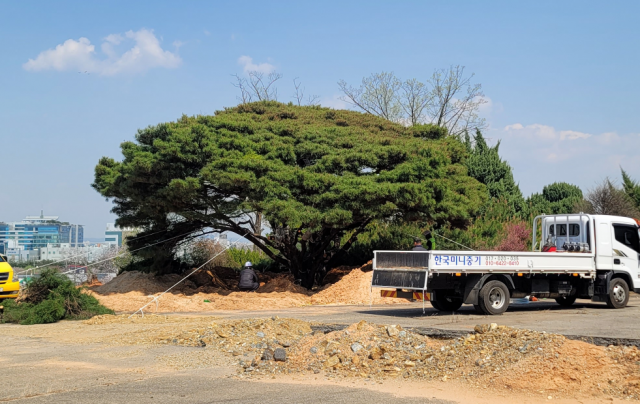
[[49, 298]]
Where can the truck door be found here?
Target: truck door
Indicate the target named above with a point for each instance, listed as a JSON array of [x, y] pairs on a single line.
[[626, 250], [604, 251]]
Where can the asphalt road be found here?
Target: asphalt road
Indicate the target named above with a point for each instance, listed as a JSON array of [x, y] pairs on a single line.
[[189, 388], [583, 318]]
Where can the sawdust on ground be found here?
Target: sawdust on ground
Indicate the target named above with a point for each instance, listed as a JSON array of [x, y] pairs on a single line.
[[130, 291]]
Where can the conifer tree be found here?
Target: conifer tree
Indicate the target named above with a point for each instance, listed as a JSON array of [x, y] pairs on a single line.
[[316, 176]]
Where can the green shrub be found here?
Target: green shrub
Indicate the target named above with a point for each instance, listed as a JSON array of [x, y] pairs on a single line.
[[238, 256], [49, 298]]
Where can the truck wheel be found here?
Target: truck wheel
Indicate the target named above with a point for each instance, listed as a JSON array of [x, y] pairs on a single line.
[[435, 305], [494, 298], [566, 301], [618, 294], [478, 309]]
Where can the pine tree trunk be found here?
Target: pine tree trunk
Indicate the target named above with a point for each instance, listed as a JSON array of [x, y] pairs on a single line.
[[257, 228]]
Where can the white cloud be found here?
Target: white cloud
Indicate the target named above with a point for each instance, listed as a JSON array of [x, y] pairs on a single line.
[[114, 39], [537, 131], [335, 102], [178, 44], [146, 53], [541, 154], [248, 66]]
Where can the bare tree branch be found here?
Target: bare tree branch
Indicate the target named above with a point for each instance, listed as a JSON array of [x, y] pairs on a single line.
[[257, 86], [377, 95], [245, 93], [449, 99], [413, 99], [606, 199], [298, 96], [455, 101]]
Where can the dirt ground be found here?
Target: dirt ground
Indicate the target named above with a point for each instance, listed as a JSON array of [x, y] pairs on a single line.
[[494, 364], [216, 291]]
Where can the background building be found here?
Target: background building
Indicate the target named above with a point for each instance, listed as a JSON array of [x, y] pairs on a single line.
[[36, 232], [115, 235]]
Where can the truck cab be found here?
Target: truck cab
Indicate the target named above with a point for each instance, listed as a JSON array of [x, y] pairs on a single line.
[[613, 240], [8, 288]]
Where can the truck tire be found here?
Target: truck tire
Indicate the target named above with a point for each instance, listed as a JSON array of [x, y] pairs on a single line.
[[494, 298], [566, 301], [435, 305], [478, 309], [618, 293]]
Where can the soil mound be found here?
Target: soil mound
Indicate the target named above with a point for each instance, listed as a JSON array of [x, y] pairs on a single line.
[[130, 291], [498, 356], [142, 283], [336, 274], [493, 357], [353, 288], [281, 284]]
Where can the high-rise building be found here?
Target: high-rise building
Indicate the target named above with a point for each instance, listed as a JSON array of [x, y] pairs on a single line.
[[115, 235], [35, 232]]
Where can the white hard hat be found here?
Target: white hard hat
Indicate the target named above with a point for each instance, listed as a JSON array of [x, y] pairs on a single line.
[[248, 264]]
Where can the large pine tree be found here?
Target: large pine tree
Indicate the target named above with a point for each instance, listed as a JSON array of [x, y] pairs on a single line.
[[318, 177]]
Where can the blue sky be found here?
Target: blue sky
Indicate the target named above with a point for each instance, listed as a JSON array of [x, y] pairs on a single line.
[[560, 78]]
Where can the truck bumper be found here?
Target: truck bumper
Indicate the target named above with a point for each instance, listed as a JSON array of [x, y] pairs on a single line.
[[9, 290], [406, 295]]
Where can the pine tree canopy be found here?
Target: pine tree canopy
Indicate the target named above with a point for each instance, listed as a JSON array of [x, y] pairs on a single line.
[[556, 198], [631, 188], [313, 174], [485, 165]]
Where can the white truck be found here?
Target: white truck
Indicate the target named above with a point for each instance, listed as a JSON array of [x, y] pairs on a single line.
[[573, 256]]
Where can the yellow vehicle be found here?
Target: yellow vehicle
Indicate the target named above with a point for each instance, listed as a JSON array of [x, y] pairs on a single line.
[[8, 288]]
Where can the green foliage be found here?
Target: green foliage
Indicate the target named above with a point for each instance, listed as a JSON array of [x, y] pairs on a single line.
[[49, 298], [484, 233], [238, 256], [556, 198], [428, 131], [486, 165], [379, 236], [631, 188], [491, 229], [315, 174]]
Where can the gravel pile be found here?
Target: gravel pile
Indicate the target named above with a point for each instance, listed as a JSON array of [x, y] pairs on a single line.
[[239, 337], [378, 352], [492, 357]]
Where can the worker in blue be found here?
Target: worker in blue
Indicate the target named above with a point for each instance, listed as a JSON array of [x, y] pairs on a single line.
[[417, 245], [248, 278]]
